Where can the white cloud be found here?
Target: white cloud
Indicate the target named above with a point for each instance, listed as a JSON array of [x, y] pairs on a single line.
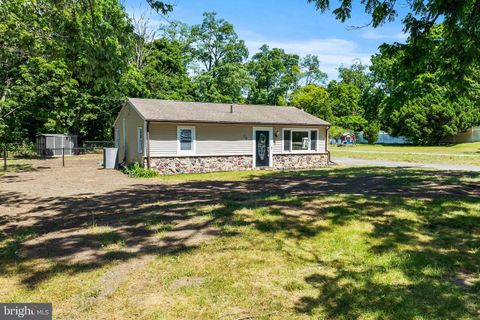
[[375, 35], [332, 52]]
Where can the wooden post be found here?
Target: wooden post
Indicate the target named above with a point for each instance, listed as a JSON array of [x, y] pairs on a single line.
[[63, 157]]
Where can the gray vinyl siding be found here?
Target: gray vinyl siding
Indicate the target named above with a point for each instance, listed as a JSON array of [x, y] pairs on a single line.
[[321, 139], [277, 141], [223, 139], [132, 122], [216, 139], [210, 139], [163, 139]]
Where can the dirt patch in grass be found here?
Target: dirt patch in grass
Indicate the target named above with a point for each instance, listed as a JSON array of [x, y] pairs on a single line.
[[187, 282], [114, 277], [61, 208]]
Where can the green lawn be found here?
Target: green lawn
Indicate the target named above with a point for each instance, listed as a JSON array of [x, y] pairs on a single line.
[[461, 148], [348, 243], [462, 154]]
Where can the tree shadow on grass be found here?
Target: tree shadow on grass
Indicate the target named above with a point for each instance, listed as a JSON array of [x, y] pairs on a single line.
[[431, 250], [352, 294], [60, 229]]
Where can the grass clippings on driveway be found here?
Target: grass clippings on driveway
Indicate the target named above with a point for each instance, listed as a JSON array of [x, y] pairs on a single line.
[[346, 243]]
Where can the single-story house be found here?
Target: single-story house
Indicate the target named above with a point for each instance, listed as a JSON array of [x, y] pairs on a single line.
[[187, 137]]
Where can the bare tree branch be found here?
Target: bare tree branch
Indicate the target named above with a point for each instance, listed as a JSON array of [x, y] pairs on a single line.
[[145, 34]]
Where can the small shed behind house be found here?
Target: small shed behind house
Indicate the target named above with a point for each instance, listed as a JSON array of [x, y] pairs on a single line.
[[51, 145]]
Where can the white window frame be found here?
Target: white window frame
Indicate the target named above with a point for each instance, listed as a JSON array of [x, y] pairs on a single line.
[[194, 140], [309, 130], [140, 140], [318, 139], [254, 144]]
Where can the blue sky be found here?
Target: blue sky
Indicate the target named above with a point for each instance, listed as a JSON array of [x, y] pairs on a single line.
[[293, 25]]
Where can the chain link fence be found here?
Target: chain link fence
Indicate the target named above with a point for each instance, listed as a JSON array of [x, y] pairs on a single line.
[[12, 153]]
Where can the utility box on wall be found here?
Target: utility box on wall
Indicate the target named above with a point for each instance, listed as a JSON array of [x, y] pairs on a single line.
[[52, 145]]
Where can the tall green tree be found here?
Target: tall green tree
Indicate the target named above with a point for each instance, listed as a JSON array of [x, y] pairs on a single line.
[[275, 74], [215, 45], [420, 103], [370, 94], [460, 43], [315, 100], [356, 75], [311, 72], [344, 99], [228, 83], [215, 42], [162, 75], [370, 102], [62, 62]]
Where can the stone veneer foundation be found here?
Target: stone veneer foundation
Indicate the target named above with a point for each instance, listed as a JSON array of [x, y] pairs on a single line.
[[172, 165], [299, 161]]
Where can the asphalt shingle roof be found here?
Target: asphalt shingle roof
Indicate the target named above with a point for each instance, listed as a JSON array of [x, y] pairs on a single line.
[[181, 111]]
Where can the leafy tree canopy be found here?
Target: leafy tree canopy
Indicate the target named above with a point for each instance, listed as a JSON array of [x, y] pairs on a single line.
[[355, 75], [61, 63], [461, 38], [215, 42], [311, 70], [420, 103], [315, 100], [352, 122], [344, 99], [371, 132], [275, 74]]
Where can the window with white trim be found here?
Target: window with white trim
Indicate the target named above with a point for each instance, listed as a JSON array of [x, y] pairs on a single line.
[[313, 140], [287, 137], [300, 140], [140, 140], [186, 140]]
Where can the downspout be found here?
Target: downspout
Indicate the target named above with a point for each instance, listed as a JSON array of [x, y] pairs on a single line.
[[148, 144], [326, 144]]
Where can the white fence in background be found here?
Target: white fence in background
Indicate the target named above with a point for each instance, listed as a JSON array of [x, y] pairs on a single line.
[[471, 135], [383, 138]]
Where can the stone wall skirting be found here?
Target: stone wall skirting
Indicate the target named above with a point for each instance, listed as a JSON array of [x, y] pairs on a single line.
[[201, 164], [299, 161], [172, 165]]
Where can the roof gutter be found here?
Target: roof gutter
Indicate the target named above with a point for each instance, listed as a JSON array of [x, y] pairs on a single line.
[[241, 123], [326, 145]]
